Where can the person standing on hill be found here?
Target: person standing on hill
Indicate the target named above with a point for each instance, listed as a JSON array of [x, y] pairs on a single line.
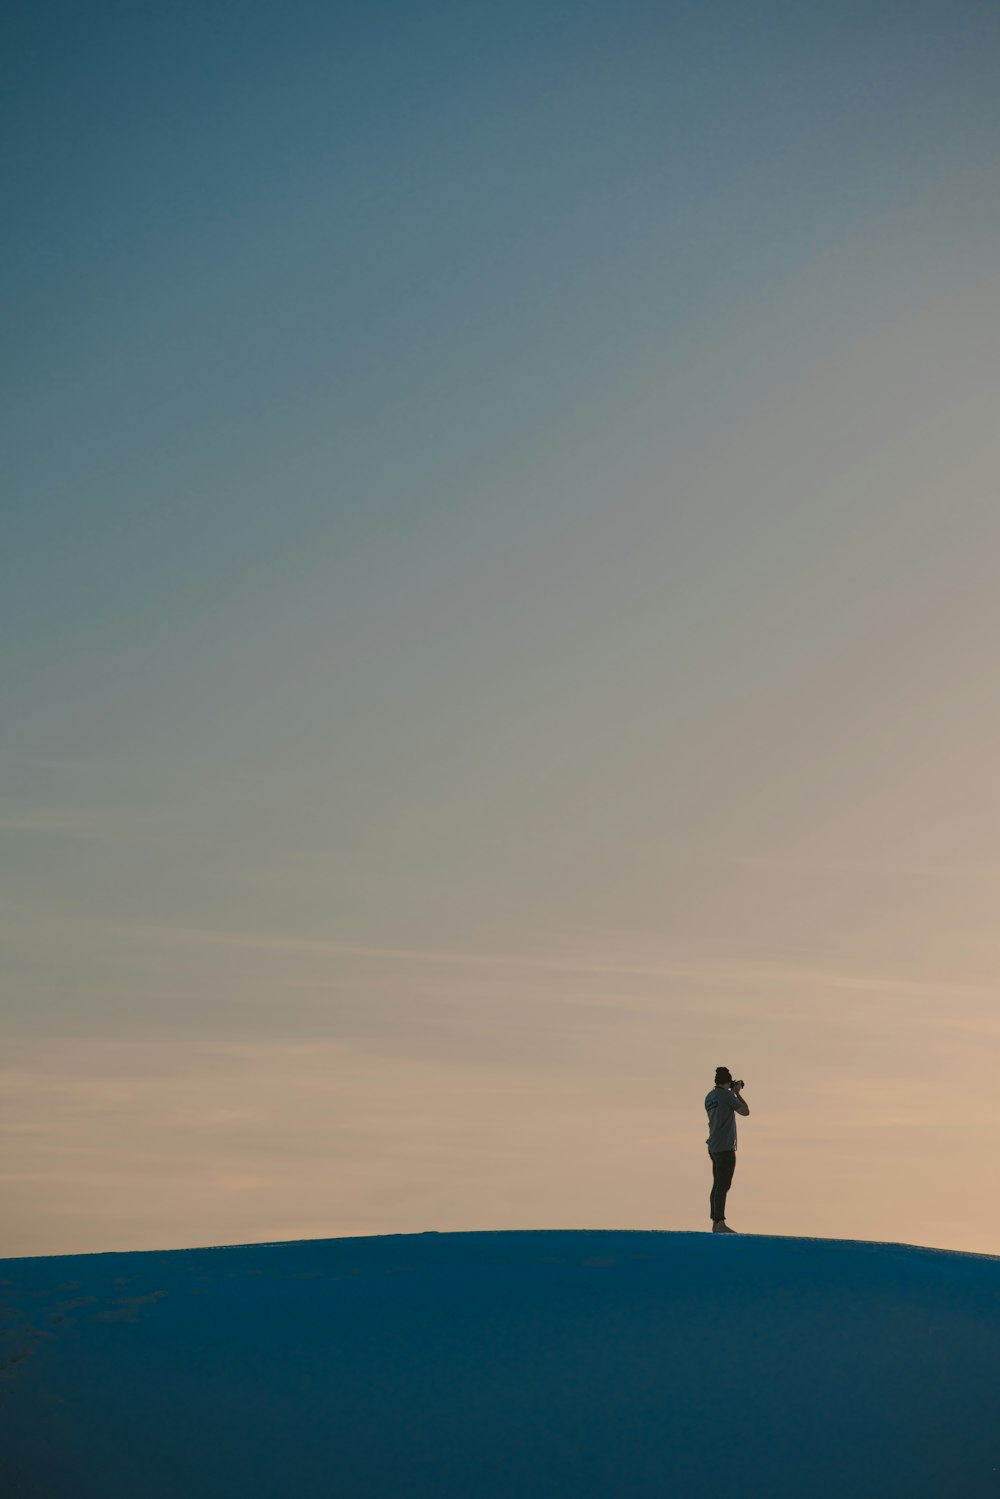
[[722, 1105]]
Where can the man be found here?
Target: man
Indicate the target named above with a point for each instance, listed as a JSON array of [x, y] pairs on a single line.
[[722, 1105]]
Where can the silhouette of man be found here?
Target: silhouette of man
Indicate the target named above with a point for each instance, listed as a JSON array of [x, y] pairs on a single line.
[[722, 1105]]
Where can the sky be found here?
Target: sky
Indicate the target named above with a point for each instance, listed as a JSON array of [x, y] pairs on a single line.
[[498, 618]]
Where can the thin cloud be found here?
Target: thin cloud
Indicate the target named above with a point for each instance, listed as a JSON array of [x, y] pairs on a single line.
[[914, 868], [43, 822], [732, 973]]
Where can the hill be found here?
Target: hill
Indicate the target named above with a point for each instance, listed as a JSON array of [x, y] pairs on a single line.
[[481, 1365]]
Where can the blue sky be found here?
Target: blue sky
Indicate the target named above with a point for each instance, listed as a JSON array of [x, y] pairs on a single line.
[[511, 483]]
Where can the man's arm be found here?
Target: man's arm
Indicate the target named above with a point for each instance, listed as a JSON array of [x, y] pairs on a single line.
[[739, 1103]]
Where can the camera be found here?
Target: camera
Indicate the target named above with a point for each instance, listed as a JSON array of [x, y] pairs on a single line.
[[739, 1083]]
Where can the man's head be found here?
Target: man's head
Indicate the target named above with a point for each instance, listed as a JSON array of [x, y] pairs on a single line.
[[723, 1077]]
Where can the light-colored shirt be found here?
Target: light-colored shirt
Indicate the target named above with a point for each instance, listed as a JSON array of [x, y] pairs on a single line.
[[722, 1105]]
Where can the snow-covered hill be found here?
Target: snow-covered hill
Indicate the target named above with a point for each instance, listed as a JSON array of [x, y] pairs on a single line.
[[480, 1365]]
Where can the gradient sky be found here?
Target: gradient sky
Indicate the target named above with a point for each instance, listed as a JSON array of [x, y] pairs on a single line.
[[499, 615]]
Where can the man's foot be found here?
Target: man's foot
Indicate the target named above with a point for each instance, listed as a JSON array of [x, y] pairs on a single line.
[[722, 1227]]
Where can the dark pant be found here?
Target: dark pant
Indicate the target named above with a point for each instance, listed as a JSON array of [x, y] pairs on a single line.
[[723, 1166]]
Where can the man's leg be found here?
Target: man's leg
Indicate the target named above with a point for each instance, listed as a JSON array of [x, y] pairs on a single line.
[[723, 1167], [717, 1201], [730, 1172]]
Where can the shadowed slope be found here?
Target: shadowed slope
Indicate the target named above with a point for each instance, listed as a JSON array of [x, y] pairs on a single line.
[[503, 1364]]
